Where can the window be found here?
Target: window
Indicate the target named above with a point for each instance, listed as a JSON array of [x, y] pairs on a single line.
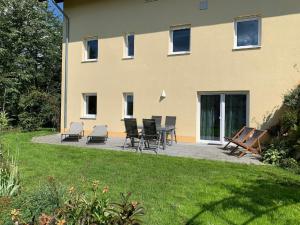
[[91, 49], [180, 39], [90, 105], [247, 33], [129, 46], [128, 105]]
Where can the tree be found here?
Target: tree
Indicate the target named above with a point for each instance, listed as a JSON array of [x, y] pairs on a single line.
[[30, 58]]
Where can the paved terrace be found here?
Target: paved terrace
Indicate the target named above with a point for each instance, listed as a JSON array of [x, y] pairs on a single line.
[[196, 151]]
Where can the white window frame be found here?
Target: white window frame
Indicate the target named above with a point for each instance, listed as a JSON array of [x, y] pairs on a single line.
[[222, 114], [85, 49], [126, 47], [174, 28], [236, 21], [85, 106], [125, 105]]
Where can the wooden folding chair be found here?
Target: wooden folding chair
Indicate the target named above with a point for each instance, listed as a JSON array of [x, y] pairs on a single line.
[[241, 136], [252, 144]]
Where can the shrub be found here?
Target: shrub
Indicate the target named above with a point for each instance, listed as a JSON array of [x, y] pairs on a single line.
[[273, 154], [51, 206], [4, 121], [9, 177], [39, 109]]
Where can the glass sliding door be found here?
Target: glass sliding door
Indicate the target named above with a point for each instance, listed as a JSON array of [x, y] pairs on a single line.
[[210, 117], [235, 113], [221, 115]]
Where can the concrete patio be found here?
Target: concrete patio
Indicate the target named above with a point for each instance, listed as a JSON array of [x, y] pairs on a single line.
[[196, 151]]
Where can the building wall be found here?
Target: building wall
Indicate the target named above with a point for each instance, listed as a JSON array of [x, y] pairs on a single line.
[[266, 73]]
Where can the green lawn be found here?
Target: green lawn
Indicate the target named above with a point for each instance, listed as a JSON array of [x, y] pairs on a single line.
[[173, 190]]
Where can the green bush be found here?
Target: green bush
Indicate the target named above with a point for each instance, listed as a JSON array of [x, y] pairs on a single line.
[[51, 205], [9, 177], [273, 154], [39, 109], [4, 121]]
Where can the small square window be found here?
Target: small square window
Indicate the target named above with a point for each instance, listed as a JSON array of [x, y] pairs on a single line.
[[204, 5], [129, 46], [247, 33], [91, 49], [90, 105], [128, 105], [180, 40]]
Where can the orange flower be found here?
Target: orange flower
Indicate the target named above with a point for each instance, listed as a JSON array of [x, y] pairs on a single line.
[[105, 190], [72, 190], [61, 222], [15, 214], [134, 204], [95, 185], [44, 219]]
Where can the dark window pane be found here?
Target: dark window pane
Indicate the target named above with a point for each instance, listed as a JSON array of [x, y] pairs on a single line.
[[129, 105], [92, 105], [247, 33], [92, 49], [130, 45], [181, 40]]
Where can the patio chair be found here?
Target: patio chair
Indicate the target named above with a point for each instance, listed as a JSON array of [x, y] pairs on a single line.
[[99, 134], [150, 135], [75, 132], [170, 125], [241, 136], [158, 120], [132, 132], [252, 144]]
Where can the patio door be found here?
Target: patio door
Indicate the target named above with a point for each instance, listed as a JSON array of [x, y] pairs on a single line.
[[221, 115]]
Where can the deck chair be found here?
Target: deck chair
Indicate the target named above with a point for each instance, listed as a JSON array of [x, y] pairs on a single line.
[[241, 136], [75, 132], [158, 120], [252, 144], [99, 134]]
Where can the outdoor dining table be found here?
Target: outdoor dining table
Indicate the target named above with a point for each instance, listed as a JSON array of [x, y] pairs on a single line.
[[163, 131]]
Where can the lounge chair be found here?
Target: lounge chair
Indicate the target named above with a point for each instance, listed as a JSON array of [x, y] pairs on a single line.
[[170, 125], [252, 144], [241, 136], [99, 134], [132, 132], [150, 135], [75, 132]]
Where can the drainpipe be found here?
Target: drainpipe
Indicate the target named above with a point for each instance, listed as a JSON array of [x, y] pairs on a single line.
[[67, 24]]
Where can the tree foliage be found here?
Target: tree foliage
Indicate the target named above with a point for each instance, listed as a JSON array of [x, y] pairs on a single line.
[[30, 62]]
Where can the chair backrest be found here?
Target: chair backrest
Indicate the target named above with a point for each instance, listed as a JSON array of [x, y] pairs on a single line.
[[170, 121], [149, 126], [257, 134], [100, 130], [76, 127], [158, 120], [131, 127], [243, 135]]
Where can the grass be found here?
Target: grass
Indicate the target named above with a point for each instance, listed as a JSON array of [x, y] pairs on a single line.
[[173, 190]]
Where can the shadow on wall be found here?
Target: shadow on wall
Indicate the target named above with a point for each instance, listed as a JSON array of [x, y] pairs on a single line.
[[263, 197], [113, 18]]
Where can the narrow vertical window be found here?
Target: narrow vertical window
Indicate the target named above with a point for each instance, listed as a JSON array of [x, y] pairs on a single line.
[[247, 33], [90, 105], [129, 46], [180, 40], [128, 105], [91, 49]]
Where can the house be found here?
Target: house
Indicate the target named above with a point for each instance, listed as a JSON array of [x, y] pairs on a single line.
[[217, 65]]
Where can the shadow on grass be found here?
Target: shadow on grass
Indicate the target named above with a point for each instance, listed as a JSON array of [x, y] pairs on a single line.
[[254, 200]]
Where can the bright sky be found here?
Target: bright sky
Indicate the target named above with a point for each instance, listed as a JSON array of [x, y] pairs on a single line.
[[53, 8]]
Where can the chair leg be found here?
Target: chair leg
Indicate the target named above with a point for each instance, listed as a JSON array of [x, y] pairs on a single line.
[[234, 150], [242, 154], [175, 136], [125, 142], [225, 148]]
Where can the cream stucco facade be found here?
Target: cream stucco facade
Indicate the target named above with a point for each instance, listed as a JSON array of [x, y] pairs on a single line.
[[265, 74]]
